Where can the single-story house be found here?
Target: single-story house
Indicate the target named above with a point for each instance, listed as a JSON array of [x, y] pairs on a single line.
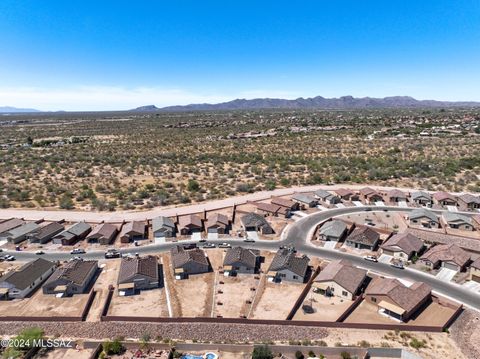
[[346, 194], [163, 227], [73, 234], [187, 262], [305, 200], [241, 260], [327, 197], [341, 279], [284, 202], [476, 221], [217, 223], [21, 282], [190, 224], [446, 255], [286, 265], [104, 233], [10, 224], [402, 245], [133, 231], [468, 202], [475, 271], [45, 233], [73, 277], [397, 300], [363, 238], [334, 230], [254, 222], [370, 196], [422, 198], [444, 199], [19, 234], [424, 218], [457, 221], [395, 196], [138, 273], [271, 209]]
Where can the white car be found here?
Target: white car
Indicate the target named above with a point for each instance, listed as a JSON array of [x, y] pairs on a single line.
[[371, 258], [224, 245], [9, 258], [78, 251]]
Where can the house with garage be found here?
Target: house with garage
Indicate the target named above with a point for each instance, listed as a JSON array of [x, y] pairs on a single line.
[[457, 221], [138, 273], [73, 234], [270, 209], [10, 224], [448, 256], [239, 260], [73, 277], [397, 300], [187, 262], [422, 198], [403, 246], [474, 273], [423, 218], [395, 196], [305, 200], [363, 237], [468, 202], [133, 231], [217, 223], [19, 283], [334, 230], [341, 279], [104, 233], [444, 199], [347, 194], [254, 222], [286, 203], [163, 227], [327, 197], [190, 224], [287, 266], [19, 234], [45, 233], [370, 196]]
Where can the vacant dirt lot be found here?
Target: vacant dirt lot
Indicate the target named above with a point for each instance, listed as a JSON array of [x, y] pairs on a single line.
[[148, 303], [381, 220], [232, 294], [45, 306], [66, 354], [326, 308], [108, 276]]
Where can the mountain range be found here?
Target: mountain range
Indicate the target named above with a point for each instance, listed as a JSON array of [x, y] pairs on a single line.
[[9, 109], [318, 102]]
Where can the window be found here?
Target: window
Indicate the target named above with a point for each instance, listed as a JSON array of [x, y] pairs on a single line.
[[345, 293], [295, 277], [374, 299]]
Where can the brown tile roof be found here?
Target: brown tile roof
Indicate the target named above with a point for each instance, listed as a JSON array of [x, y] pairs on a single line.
[[180, 256], [344, 274], [130, 267], [268, 207], [75, 272], [440, 196], [105, 230], [190, 220], [248, 257], [396, 193], [10, 224], [406, 242], [468, 198], [470, 244], [447, 253], [217, 219], [406, 298], [284, 202], [48, 230], [343, 192], [367, 191], [287, 259], [134, 227], [476, 263], [364, 235]]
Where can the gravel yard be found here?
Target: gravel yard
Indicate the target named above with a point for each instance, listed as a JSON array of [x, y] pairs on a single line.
[[326, 308]]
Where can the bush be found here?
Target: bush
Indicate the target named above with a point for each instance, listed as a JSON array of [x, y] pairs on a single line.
[[262, 352], [112, 347], [299, 355]]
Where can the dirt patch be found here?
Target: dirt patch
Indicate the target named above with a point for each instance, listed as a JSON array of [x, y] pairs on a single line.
[[325, 308], [234, 295], [66, 354], [148, 303]]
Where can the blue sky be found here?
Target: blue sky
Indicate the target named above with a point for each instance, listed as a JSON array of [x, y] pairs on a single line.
[[94, 55]]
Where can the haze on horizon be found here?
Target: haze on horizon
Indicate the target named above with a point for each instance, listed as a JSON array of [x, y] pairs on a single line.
[[117, 55]]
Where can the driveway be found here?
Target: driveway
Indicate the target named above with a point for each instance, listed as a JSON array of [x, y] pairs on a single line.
[[380, 204], [446, 274], [403, 204], [196, 236], [330, 244], [340, 205], [472, 285], [358, 203], [253, 235], [321, 208], [212, 235], [452, 208], [385, 258]]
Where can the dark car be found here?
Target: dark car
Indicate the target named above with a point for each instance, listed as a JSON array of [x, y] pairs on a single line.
[[112, 253]]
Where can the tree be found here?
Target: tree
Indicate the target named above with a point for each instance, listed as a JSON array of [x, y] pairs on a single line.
[[299, 355], [262, 352], [193, 185], [112, 347]]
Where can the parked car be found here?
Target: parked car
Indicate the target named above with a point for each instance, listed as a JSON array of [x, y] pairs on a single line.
[[112, 253], [39, 252], [9, 258], [209, 245], [249, 239], [189, 246], [398, 265], [371, 258], [224, 245], [77, 251], [76, 258]]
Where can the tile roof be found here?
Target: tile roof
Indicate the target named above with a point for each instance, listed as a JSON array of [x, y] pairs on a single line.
[[476, 263], [23, 277], [48, 230], [334, 228], [456, 217], [190, 220], [106, 230], [422, 212], [284, 202], [304, 198], [162, 222], [440, 196], [180, 256], [254, 220], [396, 193], [23, 229], [10, 224], [364, 235], [323, 194], [447, 253], [343, 192], [268, 207], [421, 194], [248, 257], [75, 272], [135, 227], [130, 267], [367, 191], [79, 228], [469, 198], [406, 298], [344, 274], [406, 242], [217, 219], [286, 259], [470, 244]]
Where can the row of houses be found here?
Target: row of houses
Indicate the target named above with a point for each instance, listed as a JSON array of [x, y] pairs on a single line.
[[425, 218]]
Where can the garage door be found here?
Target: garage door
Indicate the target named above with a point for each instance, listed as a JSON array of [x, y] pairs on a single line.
[[212, 230], [388, 253], [476, 278], [450, 265]]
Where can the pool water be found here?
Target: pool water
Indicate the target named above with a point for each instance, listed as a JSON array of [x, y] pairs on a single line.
[[190, 356], [211, 356]]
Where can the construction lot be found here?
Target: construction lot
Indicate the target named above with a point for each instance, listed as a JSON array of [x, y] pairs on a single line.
[[325, 308], [65, 354], [379, 220]]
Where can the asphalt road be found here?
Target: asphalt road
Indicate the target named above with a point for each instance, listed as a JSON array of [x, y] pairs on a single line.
[[297, 234]]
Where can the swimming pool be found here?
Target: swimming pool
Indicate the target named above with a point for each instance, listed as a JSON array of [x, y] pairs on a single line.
[[209, 355]]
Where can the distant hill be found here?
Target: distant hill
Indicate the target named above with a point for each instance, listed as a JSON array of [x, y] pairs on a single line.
[[147, 108], [9, 109], [319, 102]]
